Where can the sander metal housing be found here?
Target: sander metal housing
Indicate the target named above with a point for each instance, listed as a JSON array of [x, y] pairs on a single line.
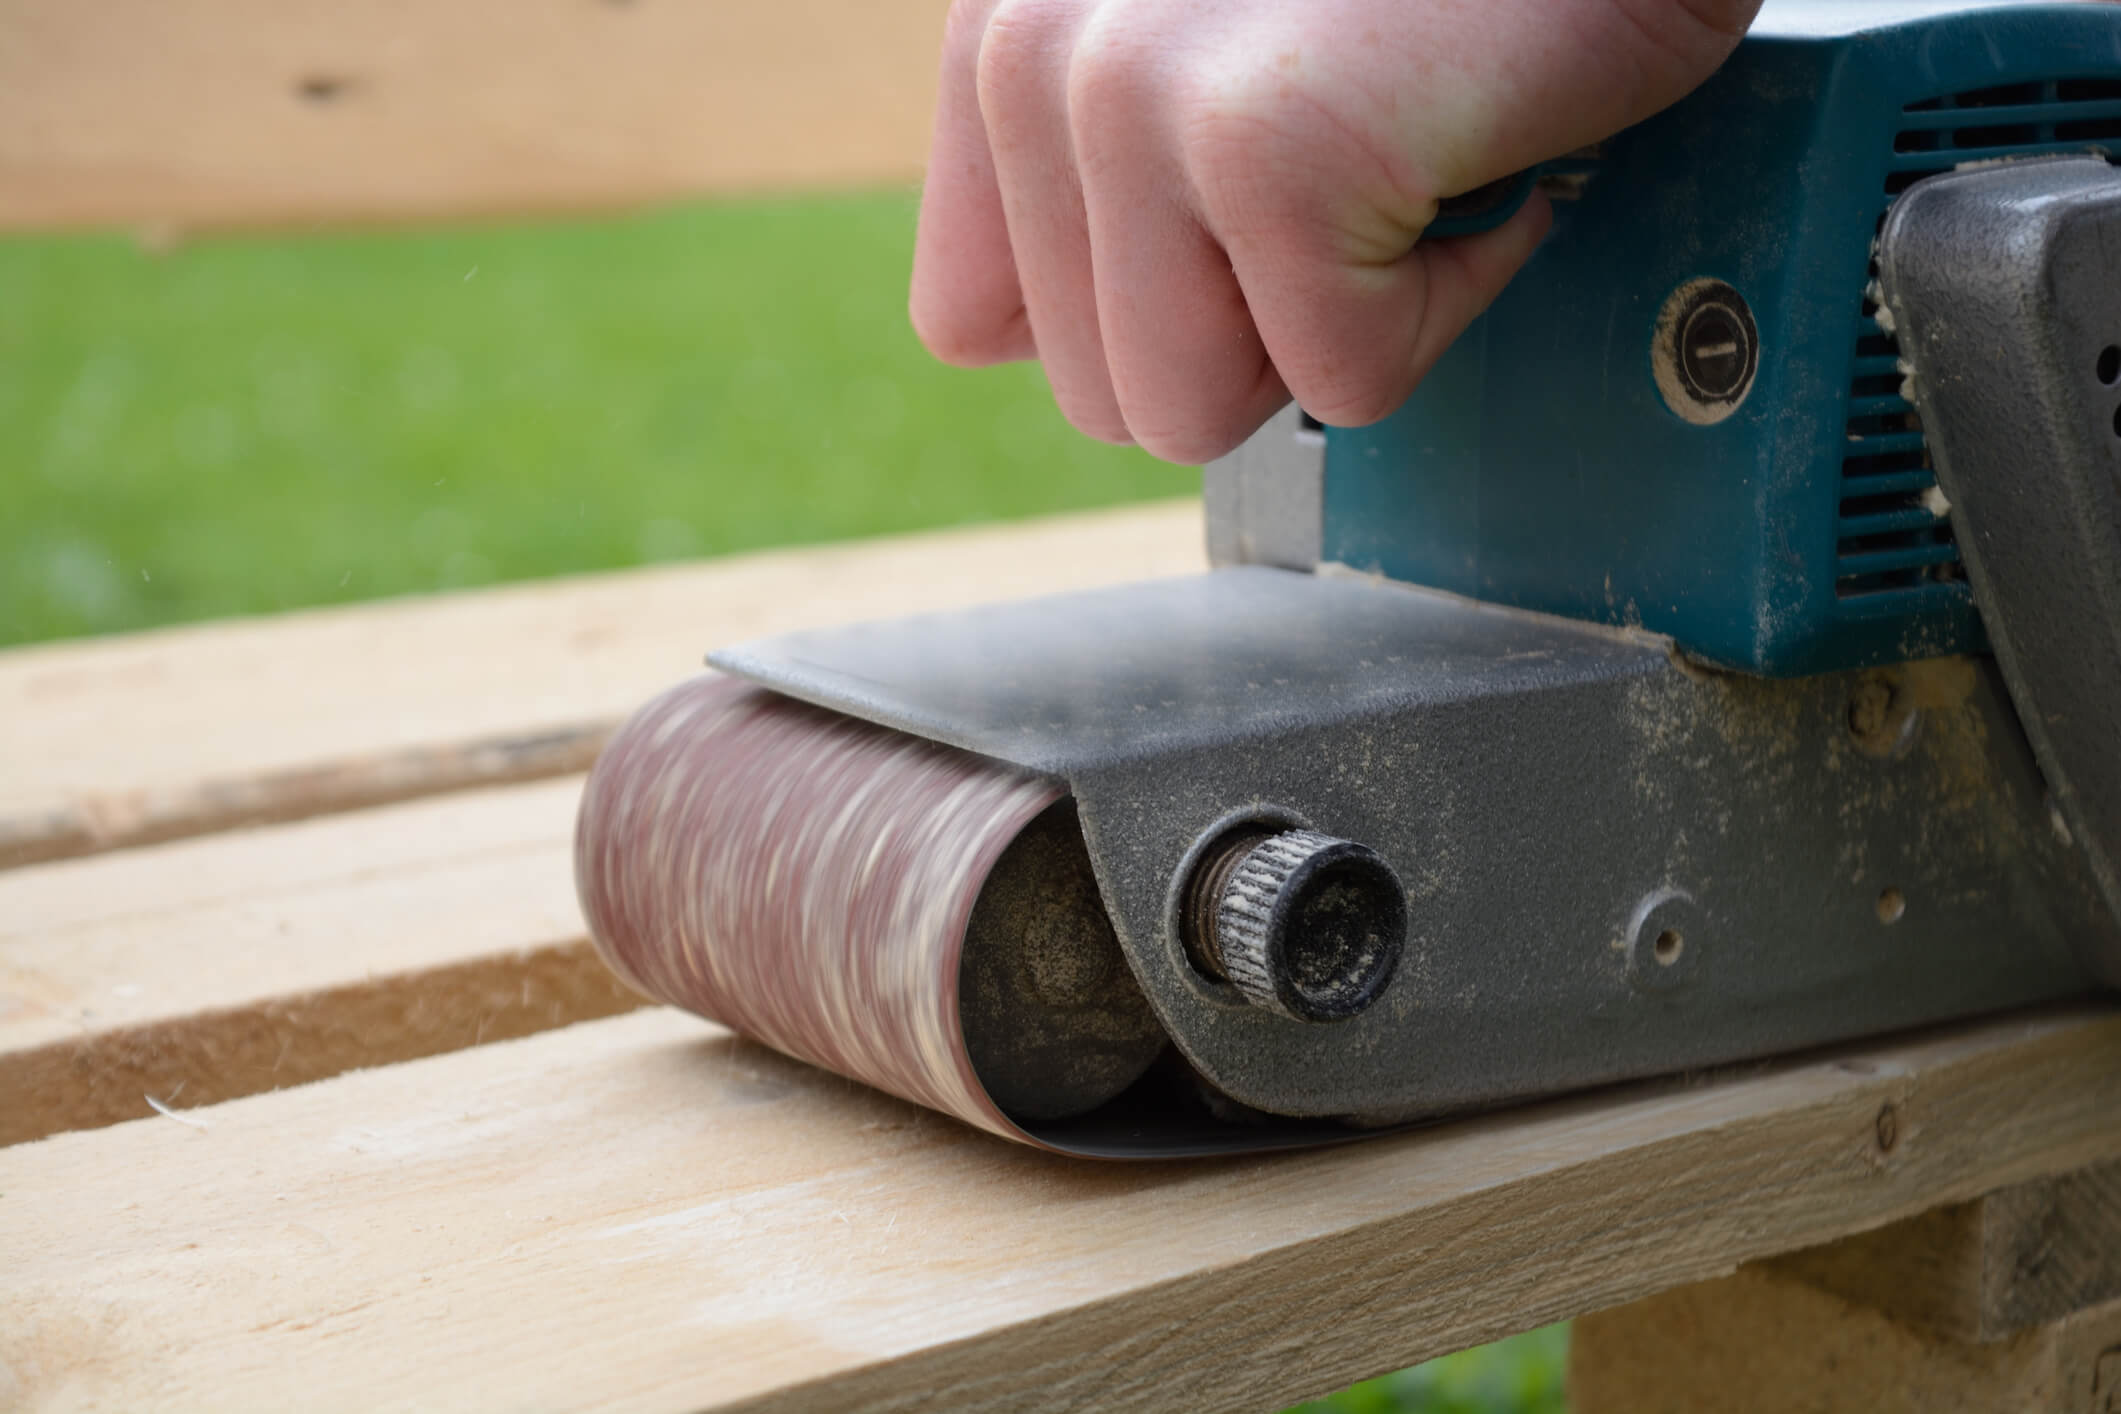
[[1719, 654]]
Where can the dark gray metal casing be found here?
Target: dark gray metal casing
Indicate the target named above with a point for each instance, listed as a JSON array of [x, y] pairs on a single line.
[[1556, 796], [1266, 501], [2005, 286]]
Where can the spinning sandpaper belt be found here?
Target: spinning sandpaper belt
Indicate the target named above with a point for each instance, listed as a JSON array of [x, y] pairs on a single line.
[[1719, 654]]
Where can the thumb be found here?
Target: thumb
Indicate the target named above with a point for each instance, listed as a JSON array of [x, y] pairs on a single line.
[[1539, 78], [1352, 339]]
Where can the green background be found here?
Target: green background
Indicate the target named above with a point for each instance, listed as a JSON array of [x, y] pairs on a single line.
[[245, 425]]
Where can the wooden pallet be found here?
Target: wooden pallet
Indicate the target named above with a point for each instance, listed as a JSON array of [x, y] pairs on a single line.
[[319, 1097]]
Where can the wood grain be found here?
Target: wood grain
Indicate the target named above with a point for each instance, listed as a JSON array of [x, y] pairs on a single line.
[[216, 113], [642, 1214], [303, 714], [207, 969], [1766, 1342], [1980, 1271]]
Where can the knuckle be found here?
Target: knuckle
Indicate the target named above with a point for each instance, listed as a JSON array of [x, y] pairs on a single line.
[[1020, 48], [1226, 133], [1246, 155], [1110, 73], [962, 30]]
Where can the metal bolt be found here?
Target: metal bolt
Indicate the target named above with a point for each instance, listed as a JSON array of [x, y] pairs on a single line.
[[1302, 924]]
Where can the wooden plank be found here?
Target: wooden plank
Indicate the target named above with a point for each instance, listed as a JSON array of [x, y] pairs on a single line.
[[244, 112], [1765, 1342], [302, 714], [202, 970], [1980, 1271], [642, 1214]]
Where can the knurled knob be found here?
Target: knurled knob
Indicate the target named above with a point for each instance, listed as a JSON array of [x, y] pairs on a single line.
[[1301, 923]]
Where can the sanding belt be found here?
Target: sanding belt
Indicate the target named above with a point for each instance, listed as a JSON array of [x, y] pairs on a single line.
[[914, 916]]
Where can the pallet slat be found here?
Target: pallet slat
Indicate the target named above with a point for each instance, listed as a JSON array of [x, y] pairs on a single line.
[[303, 714], [222, 113], [206, 969], [1984, 1271], [644, 1214], [1765, 1341]]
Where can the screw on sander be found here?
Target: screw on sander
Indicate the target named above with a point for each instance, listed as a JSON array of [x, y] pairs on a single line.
[[1302, 924]]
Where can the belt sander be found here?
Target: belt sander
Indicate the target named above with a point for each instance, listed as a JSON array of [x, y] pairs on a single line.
[[1720, 654]]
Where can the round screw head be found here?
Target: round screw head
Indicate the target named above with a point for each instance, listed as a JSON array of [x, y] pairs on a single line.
[[1705, 351], [1309, 926]]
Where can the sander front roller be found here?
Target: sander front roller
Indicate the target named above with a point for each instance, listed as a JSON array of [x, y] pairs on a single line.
[[898, 911], [1719, 655]]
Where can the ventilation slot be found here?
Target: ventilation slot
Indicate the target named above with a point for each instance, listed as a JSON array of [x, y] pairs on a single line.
[[1893, 538], [2012, 120], [1890, 536]]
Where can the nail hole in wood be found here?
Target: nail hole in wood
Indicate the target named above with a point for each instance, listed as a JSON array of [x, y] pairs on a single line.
[[322, 88]]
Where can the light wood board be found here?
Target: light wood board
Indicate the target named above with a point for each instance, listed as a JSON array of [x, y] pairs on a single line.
[[206, 969], [210, 113], [1982, 1271], [1767, 1342], [642, 1214], [108, 743]]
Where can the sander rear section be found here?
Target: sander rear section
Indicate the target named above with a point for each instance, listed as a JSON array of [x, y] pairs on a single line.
[[1719, 655]]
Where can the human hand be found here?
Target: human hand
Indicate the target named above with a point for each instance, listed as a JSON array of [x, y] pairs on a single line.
[[1189, 210]]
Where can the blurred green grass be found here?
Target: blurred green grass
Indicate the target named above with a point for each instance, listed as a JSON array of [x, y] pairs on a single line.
[[246, 425], [1522, 1375]]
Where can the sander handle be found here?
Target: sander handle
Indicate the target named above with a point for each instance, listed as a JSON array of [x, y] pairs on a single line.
[[2003, 284]]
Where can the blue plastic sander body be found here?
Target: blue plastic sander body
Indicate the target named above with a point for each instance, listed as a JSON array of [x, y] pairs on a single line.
[[1780, 519]]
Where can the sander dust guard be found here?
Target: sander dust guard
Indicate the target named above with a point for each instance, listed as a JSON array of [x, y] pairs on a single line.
[[1718, 655]]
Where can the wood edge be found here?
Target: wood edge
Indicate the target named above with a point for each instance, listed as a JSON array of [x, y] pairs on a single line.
[[1384, 1255], [204, 1058], [2053, 1248], [100, 824], [1657, 1186], [1986, 1270], [1764, 1340], [1925, 1271], [935, 539]]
